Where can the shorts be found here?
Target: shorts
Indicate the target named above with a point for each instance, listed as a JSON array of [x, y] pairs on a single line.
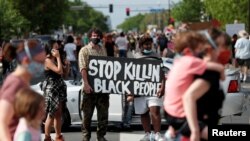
[[142, 104], [181, 125], [162, 48], [243, 62]]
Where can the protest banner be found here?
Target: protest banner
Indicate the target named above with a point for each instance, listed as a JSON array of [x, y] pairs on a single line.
[[125, 75]]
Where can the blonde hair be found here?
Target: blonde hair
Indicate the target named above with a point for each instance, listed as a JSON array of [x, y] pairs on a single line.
[[189, 39], [27, 103]]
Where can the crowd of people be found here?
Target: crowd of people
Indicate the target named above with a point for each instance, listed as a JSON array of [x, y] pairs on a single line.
[[185, 92]]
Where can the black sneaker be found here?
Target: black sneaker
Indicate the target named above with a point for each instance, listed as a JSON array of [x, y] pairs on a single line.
[[127, 128], [85, 139], [101, 139]]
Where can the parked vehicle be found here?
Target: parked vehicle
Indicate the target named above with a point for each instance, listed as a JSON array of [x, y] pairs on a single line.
[[236, 102], [44, 38], [15, 42]]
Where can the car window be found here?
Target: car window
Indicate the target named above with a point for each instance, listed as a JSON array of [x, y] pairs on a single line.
[[44, 39]]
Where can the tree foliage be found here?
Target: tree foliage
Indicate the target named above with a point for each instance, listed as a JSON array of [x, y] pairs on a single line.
[[131, 23], [141, 21], [83, 20], [226, 11], [44, 15], [187, 10], [12, 23]]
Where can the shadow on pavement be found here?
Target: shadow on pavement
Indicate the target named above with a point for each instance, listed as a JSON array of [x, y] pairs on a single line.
[[77, 128]]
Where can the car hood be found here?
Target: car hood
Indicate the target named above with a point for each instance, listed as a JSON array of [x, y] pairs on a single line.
[[71, 86]]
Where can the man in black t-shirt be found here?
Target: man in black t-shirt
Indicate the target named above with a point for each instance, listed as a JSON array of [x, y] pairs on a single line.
[[162, 42]]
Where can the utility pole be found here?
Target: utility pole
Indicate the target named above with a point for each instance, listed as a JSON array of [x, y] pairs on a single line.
[[169, 11], [248, 16]]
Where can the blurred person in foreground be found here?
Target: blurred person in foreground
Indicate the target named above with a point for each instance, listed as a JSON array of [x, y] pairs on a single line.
[[206, 89], [30, 55], [188, 64], [29, 107]]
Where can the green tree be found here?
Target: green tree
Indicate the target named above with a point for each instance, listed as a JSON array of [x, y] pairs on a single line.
[[44, 15], [133, 22], [187, 10], [83, 20], [141, 21], [12, 23], [226, 11]]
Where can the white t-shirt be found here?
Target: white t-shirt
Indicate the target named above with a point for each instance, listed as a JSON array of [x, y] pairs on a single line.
[[122, 43], [69, 48], [242, 47]]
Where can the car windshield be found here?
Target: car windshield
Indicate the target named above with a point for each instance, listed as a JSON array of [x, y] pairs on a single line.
[[15, 42], [44, 38]]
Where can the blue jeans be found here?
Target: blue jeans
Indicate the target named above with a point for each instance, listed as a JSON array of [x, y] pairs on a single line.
[[74, 70], [123, 53], [128, 112]]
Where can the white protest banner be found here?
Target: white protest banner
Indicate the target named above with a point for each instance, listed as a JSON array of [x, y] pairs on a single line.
[[124, 75]]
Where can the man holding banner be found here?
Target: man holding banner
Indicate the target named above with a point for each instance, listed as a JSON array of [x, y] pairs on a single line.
[[90, 98], [149, 104]]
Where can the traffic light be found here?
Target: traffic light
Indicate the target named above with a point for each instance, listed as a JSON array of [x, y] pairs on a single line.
[[110, 8], [127, 11]]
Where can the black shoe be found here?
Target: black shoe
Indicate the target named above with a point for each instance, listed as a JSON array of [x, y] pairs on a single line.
[[101, 139], [85, 139], [127, 128]]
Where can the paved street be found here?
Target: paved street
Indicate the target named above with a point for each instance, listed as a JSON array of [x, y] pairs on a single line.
[[74, 134], [111, 136]]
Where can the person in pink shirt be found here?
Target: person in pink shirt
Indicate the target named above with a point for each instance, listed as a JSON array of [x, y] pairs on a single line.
[[205, 89], [186, 66], [29, 107], [30, 56]]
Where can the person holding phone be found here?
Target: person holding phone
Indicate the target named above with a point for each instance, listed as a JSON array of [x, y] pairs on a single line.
[[54, 90]]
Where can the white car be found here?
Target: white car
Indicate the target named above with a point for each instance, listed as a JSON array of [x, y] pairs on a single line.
[[74, 114], [235, 98], [233, 104]]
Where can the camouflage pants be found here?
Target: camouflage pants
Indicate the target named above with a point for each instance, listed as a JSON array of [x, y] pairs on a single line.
[[89, 102]]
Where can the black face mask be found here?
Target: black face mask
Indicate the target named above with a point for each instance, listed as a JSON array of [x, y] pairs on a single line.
[[95, 41]]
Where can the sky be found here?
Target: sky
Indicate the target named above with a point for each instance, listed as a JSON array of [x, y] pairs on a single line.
[[119, 8]]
